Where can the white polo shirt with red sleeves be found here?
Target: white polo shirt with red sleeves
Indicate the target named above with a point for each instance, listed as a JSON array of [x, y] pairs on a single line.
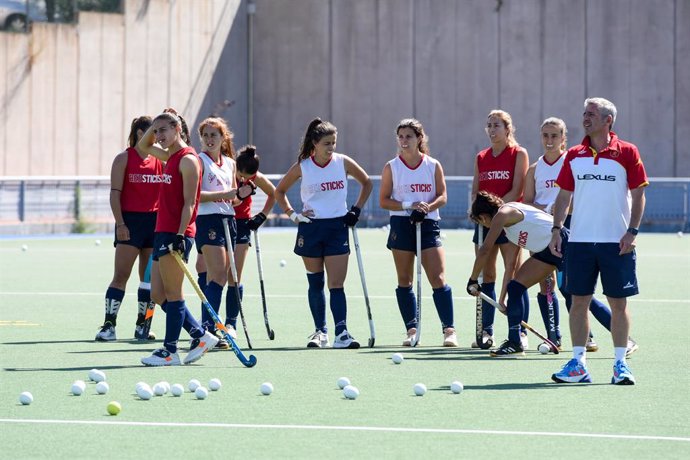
[[601, 184]]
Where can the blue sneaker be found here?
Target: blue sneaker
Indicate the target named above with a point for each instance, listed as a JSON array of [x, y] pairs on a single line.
[[622, 374], [572, 372]]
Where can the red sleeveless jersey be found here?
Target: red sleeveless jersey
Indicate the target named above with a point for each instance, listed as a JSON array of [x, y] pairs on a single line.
[[142, 183], [171, 198], [496, 174], [244, 209]]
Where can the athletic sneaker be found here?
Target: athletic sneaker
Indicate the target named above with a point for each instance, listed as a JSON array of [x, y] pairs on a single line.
[[141, 335], [572, 372], [222, 341], [524, 341], [487, 339], [508, 349], [411, 332], [198, 347], [161, 357], [318, 340], [591, 346], [450, 338], [632, 347], [622, 374], [345, 340], [231, 331], [106, 334]]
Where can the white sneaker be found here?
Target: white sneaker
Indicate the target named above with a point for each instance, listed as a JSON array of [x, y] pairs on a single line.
[[345, 340], [199, 346], [450, 338], [318, 340], [631, 348], [161, 357], [231, 331], [106, 334], [524, 341], [411, 332], [487, 339]]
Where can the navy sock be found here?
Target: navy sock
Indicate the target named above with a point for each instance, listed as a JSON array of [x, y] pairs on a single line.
[[214, 294], [190, 324], [407, 304], [601, 312], [516, 310], [443, 300], [113, 300], [143, 300], [338, 309], [174, 317], [232, 306], [317, 300], [488, 311], [525, 302], [552, 329]]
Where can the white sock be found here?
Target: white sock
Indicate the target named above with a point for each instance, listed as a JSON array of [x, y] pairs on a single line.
[[620, 353], [580, 353]]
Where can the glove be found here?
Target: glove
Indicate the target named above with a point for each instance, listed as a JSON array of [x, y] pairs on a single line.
[[417, 216], [246, 190], [352, 216], [255, 222], [297, 218], [178, 245], [473, 287]]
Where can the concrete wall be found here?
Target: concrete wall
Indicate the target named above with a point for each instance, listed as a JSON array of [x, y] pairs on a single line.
[[365, 64], [68, 93]]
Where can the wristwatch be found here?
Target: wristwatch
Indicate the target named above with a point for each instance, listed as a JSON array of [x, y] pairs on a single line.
[[633, 231]]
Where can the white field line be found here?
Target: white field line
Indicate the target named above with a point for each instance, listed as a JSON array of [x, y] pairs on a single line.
[[382, 429], [295, 296]]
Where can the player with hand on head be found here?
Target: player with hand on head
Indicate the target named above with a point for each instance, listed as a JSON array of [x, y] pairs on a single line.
[[603, 181], [135, 180], [322, 233], [247, 163], [413, 188], [218, 191], [541, 192], [527, 227], [499, 169], [175, 230]]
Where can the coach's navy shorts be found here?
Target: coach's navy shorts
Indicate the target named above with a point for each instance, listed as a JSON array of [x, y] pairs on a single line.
[[243, 232], [586, 261], [141, 227], [210, 231], [545, 254], [322, 237], [402, 235], [502, 238], [162, 240]]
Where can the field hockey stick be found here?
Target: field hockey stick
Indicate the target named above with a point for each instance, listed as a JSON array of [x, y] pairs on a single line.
[[552, 346], [233, 270], [551, 332], [251, 362], [269, 331], [418, 234], [479, 307], [151, 306], [358, 252]]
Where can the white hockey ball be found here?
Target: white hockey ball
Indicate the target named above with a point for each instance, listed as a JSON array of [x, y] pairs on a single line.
[[419, 389], [193, 384], [26, 398], [266, 388], [397, 358], [543, 348], [177, 389], [102, 388], [456, 387], [214, 384], [350, 392], [200, 392], [343, 382]]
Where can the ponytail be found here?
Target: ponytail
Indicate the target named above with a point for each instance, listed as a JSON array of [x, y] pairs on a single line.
[[315, 131]]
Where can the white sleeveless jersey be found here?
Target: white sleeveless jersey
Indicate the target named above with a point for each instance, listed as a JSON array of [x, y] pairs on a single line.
[[216, 178], [533, 232], [414, 184], [545, 175], [324, 188]]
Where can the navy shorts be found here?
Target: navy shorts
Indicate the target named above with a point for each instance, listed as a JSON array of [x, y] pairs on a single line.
[[402, 235], [243, 232], [322, 238], [586, 261], [502, 238], [141, 227], [545, 254], [210, 231], [162, 240]]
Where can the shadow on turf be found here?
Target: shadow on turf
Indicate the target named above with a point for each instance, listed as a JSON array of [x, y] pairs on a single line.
[[48, 342], [520, 386], [68, 369]]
